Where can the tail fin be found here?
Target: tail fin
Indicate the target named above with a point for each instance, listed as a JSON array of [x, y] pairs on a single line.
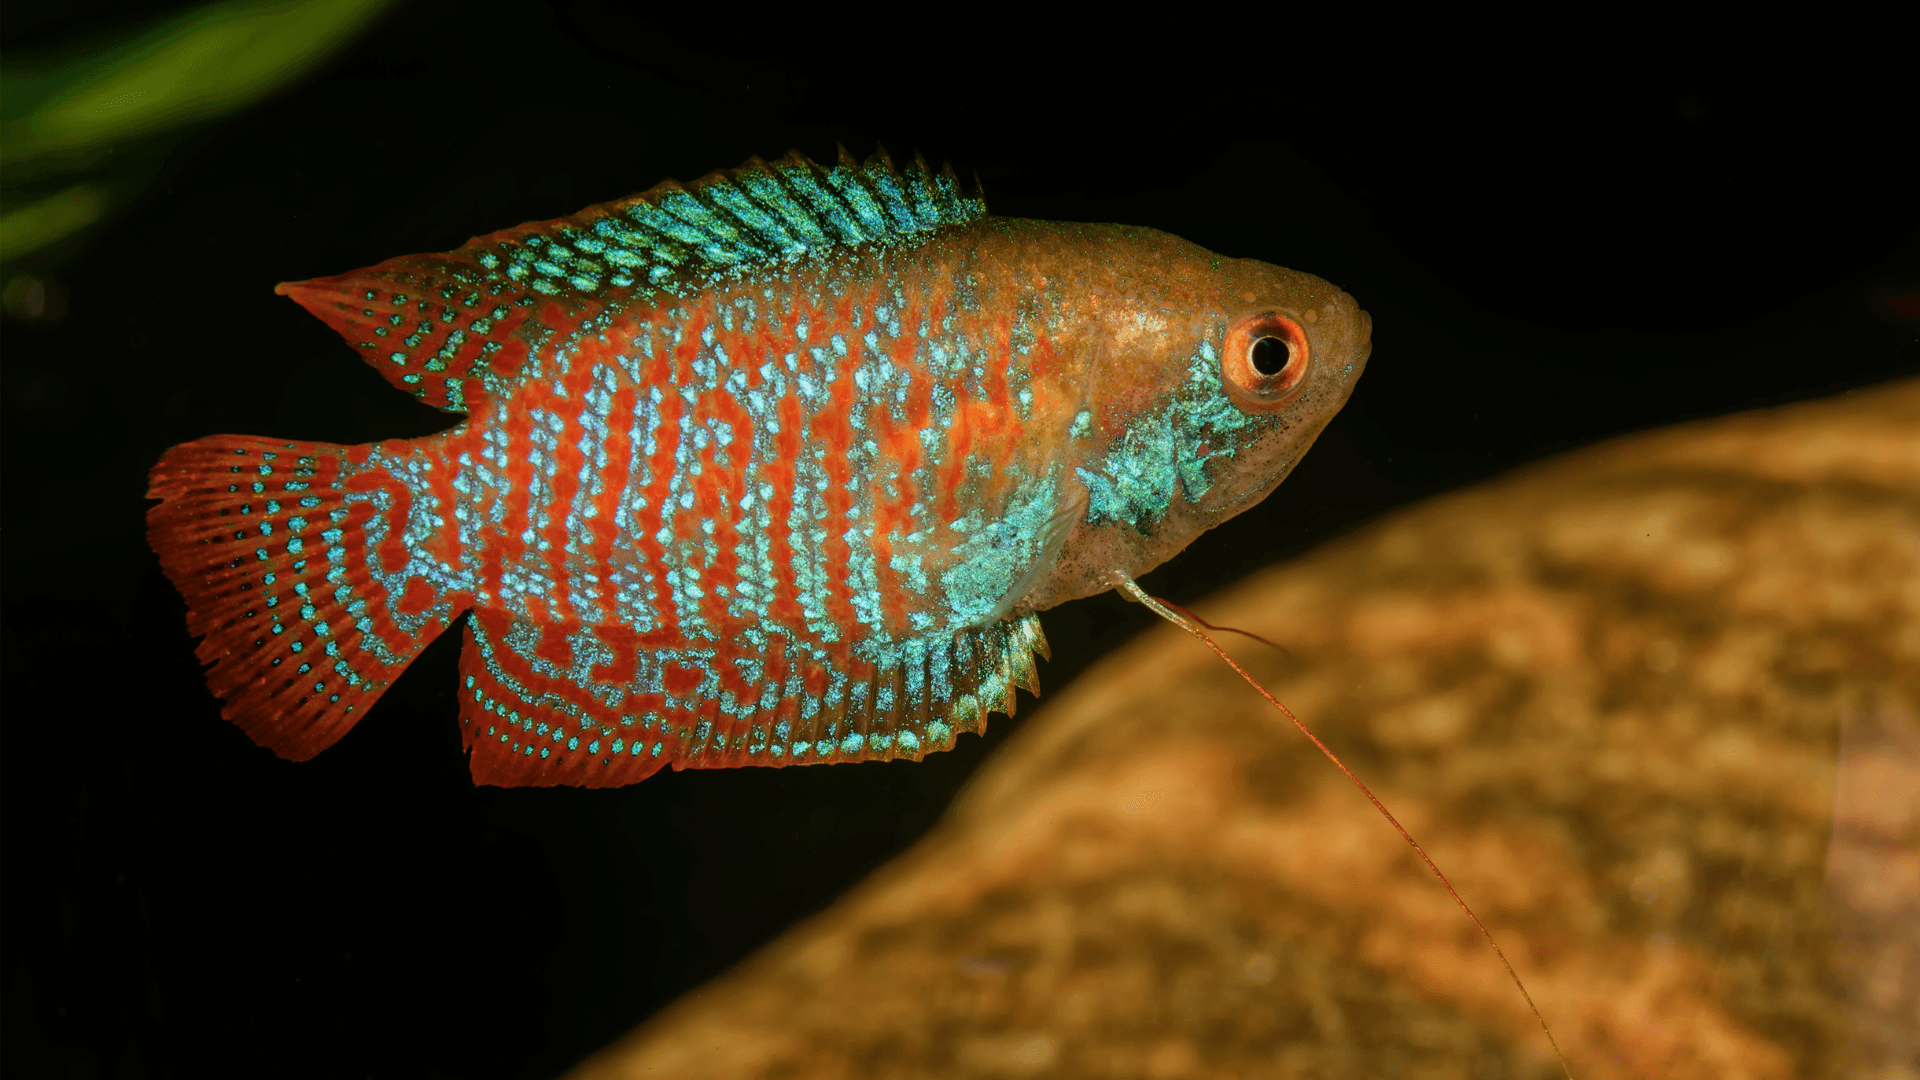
[[269, 543]]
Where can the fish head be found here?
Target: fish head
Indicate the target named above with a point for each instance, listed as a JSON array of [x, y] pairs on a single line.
[[1209, 379]]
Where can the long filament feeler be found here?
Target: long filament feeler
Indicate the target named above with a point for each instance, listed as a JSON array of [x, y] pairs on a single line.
[[1133, 591], [1221, 629]]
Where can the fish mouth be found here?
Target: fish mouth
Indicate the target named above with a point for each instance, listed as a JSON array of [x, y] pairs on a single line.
[[1362, 342]]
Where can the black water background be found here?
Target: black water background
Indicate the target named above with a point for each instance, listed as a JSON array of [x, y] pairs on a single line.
[[1554, 252]]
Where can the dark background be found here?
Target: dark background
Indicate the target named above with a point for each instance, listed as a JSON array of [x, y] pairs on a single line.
[[1554, 251]]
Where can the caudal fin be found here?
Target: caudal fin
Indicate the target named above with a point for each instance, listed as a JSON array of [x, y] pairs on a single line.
[[269, 542]]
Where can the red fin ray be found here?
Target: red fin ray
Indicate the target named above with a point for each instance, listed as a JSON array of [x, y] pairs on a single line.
[[259, 537]]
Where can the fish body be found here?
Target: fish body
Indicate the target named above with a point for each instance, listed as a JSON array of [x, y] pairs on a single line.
[[774, 468]]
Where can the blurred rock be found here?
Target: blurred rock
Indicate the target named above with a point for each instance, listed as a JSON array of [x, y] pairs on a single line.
[[1606, 693], [1873, 887]]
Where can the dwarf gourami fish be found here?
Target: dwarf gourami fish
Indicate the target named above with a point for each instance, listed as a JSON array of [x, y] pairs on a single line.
[[773, 468]]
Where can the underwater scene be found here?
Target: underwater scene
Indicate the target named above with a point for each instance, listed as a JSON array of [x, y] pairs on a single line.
[[1286, 567]]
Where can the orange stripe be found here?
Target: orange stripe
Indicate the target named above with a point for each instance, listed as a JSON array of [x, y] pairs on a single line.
[[518, 425], [779, 474], [830, 427], [613, 484], [720, 488], [566, 465], [666, 440]]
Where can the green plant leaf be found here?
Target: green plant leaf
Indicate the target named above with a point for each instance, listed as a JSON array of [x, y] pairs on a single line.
[[201, 65], [44, 221]]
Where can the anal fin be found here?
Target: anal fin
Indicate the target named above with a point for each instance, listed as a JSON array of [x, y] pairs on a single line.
[[548, 703], [527, 721]]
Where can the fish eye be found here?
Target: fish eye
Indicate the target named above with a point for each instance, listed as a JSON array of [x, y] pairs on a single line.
[[1269, 355], [1265, 359]]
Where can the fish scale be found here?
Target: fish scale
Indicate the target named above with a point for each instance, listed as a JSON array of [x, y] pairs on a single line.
[[774, 468]]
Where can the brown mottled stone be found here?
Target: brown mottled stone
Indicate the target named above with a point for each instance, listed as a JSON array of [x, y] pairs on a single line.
[[1607, 693]]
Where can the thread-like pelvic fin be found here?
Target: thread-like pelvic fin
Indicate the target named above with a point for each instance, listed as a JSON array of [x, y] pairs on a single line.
[[1133, 591]]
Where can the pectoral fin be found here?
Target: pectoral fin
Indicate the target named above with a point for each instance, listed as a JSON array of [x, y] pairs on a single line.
[[1051, 541]]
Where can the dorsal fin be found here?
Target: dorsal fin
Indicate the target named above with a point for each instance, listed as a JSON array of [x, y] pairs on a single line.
[[454, 327]]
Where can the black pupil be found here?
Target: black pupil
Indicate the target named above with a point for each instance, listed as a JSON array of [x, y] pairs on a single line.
[[1269, 356]]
